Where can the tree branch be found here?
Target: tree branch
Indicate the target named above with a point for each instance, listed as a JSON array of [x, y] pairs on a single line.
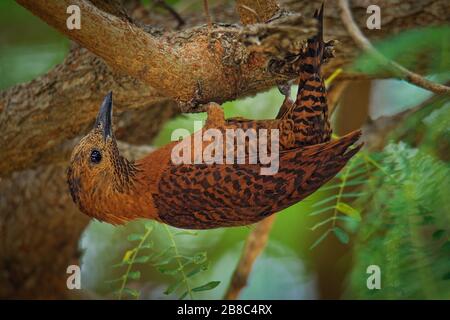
[[172, 11], [38, 116], [35, 118], [254, 245], [184, 66], [120, 43], [251, 11], [396, 68]]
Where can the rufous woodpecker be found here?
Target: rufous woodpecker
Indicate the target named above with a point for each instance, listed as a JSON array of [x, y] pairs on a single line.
[[110, 188]]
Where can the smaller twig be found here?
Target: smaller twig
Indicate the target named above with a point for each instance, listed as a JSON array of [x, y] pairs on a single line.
[[208, 16], [172, 11], [132, 259], [251, 11], [180, 264], [255, 244], [378, 132], [367, 46], [243, 6]]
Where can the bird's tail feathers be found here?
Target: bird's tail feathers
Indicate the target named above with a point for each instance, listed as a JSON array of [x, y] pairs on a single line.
[[339, 147], [314, 53]]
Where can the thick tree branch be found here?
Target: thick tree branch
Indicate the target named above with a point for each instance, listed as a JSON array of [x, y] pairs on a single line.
[[120, 43], [183, 66], [36, 117]]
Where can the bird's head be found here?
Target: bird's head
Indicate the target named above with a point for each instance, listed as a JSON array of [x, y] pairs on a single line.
[[96, 168]]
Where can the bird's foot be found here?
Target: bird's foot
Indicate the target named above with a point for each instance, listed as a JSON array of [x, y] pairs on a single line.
[[285, 89], [216, 116]]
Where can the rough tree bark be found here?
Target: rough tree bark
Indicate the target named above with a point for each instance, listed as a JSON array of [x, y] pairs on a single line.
[[39, 226], [54, 107]]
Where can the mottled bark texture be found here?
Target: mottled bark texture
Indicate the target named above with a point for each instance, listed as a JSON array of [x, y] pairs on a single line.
[[217, 65], [150, 70]]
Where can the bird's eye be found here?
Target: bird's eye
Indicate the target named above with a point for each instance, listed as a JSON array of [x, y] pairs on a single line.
[[96, 156]]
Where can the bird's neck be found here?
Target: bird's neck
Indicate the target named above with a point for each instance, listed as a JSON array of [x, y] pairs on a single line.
[[118, 196], [130, 195]]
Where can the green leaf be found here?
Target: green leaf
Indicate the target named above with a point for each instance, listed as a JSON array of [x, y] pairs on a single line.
[[200, 258], [209, 286], [316, 212], [134, 237], [183, 295], [321, 223], [427, 220], [164, 262], [446, 246], [115, 280], [135, 275], [356, 173], [164, 252], [147, 245], [355, 182], [121, 264], [169, 271], [127, 255], [172, 287], [186, 233], [348, 210], [353, 194], [131, 292], [341, 235], [197, 269], [438, 234], [328, 199], [142, 259], [320, 239]]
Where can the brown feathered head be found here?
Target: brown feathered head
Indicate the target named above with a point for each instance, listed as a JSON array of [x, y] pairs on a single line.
[[96, 168]]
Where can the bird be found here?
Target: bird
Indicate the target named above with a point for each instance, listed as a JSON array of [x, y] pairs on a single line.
[[304, 121], [110, 188]]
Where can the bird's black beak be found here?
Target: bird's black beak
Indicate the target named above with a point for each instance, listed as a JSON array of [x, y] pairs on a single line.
[[104, 117]]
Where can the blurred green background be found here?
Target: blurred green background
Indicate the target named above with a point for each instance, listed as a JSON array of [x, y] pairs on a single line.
[[288, 268]]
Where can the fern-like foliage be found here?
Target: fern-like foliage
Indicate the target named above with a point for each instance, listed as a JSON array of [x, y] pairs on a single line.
[[406, 228], [169, 261], [338, 208]]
